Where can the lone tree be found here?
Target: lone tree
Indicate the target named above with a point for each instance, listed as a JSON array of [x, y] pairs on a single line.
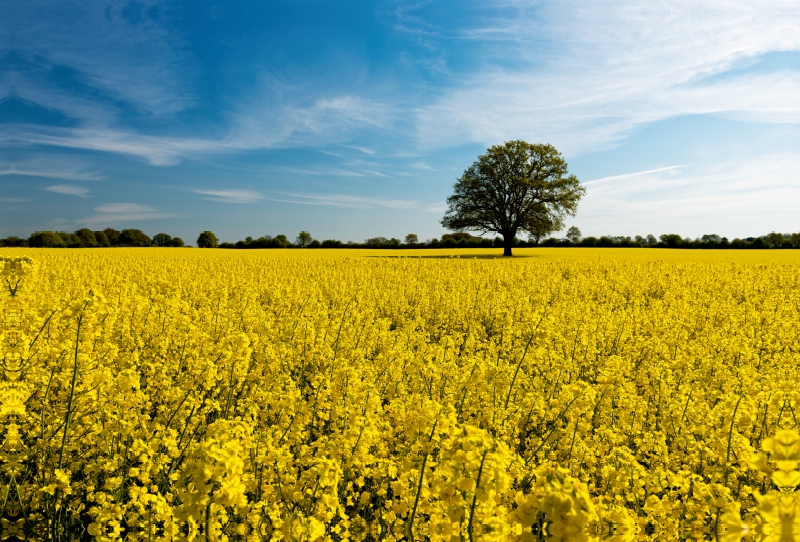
[[514, 187], [574, 235], [303, 239], [207, 239]]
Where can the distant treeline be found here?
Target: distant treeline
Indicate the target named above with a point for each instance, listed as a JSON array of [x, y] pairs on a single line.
[[673, 240], [465, 240], [86, 238]]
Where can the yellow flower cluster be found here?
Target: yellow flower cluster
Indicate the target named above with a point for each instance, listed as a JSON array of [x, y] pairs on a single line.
[[188, 395]]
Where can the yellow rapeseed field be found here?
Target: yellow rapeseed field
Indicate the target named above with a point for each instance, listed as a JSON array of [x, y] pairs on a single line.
[[303, 395]]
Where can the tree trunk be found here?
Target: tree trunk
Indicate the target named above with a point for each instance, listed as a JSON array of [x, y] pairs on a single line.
[[508, 242]]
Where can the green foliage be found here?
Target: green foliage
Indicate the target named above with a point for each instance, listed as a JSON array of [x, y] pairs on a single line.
[[207, 239], [13, 241], [102, 239], [671, 240], [375, 241], [303, 239], [112, 235], [133, 238], [86, 237], [162, 240], [514, 187], [46, 239], [280, 241], [177, 242], [574, 235], [70, 239], [412, 239]]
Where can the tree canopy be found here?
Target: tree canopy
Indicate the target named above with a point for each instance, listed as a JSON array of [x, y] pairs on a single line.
[[207, 239], [304, 239], [514, 187]]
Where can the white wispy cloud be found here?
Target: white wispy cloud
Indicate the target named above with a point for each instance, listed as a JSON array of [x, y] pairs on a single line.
[[116, 213], [280, 114], [361, 149], [322, 122], [341, 200], [588, 73], [740, 197], [47, 167], [231, 196], [69, 190], [634, 174]]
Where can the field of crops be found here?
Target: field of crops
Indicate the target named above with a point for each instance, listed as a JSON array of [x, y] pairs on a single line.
[[301, 395]]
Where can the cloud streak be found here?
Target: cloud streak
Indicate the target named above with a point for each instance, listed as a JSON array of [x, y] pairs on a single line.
[[69, 190], [231, 196], [66, 172], [634, 174], [341, 200], [119, 213]]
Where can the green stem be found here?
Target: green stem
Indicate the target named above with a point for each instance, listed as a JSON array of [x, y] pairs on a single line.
[[730, 437], [71, 394], [475, 496], [409, 530]]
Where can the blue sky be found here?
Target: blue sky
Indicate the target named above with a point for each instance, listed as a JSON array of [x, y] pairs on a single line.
[[353, 119]]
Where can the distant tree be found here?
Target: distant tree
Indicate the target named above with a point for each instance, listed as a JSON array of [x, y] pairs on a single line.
[[393, 242], [711, 238], [177, 242], [331, 243], [651, 239], [775, 240], [574, 235], [162, 240], [13, 241], [449, 243], [671, 239], [46, 239], [207, 239], [314, 244], [87, 237], [540, 226], [101, 238], [375, 241], [412, 239], [133, 238], [70, 239], [280, 241], [112, 234], [514, 187], [457, 236], [303, 239], [739, 243]]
